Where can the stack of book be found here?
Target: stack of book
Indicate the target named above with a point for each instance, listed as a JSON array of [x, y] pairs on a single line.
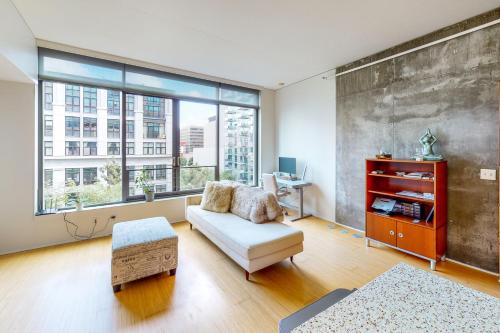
[[409, 209], [419, 175]]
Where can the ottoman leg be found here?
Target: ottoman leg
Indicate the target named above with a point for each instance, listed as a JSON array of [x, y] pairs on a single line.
[[117, 288], [172, 271]]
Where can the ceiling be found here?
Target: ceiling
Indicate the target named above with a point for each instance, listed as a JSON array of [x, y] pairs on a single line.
[[261, 42]]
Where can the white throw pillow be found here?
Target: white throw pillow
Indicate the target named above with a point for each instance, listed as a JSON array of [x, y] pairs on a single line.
[[256, 205]]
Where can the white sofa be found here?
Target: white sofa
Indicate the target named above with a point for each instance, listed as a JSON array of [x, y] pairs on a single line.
[[252, 246]]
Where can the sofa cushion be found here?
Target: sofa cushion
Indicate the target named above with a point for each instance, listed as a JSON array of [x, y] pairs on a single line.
[[249, 240], [217, 197], [255, 204]]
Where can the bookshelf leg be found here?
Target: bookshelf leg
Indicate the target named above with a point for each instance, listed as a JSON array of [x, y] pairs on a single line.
[[367, 242], [433, 265]]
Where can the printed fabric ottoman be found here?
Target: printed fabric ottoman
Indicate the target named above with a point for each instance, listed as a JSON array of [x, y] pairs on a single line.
[[142, 248]]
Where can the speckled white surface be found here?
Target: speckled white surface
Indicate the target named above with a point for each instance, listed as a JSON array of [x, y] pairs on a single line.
[[408, 299]]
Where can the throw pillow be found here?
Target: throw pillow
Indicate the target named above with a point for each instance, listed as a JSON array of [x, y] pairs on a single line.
[[216, 197], [256, 205]]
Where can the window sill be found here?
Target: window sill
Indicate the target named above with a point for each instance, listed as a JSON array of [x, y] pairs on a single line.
[[120, 204]]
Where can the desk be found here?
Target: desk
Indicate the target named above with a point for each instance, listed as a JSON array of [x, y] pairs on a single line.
[[297, 185]]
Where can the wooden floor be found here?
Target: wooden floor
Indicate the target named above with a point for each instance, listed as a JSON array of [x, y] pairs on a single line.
[[67, 288]]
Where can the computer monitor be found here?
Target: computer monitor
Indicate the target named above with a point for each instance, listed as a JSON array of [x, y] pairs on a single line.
[[288, 165]]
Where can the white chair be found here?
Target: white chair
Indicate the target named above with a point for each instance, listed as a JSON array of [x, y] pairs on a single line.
[[270, 184]]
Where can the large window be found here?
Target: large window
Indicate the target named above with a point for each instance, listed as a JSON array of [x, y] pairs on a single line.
[[197, 149], [237, 144], [180, 131]]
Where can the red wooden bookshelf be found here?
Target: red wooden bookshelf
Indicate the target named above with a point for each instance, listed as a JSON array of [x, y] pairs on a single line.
[[423, 239]]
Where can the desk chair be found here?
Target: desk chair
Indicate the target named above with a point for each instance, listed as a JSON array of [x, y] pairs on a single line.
[[270, 184]]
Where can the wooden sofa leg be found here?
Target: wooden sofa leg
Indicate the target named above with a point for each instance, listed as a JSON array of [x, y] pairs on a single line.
[[247, 275], [190, 226], [172, 271], [291, 258], [117, 288]]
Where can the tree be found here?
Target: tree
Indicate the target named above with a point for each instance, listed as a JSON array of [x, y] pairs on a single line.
[[227, 175], [195, 177], [112, 173]]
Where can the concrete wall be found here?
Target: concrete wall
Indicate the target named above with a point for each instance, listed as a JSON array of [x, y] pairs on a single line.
[[305, 129], [452, 88]]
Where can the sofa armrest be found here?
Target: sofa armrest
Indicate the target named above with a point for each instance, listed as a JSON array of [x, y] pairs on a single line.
[[191, 200]]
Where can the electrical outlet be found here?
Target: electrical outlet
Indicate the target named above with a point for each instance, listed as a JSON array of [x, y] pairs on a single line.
[[488, 174]]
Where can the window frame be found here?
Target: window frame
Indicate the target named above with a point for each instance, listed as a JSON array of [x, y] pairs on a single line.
[[89, 149], [115, 130], [91, 129], [67, 148], [90, 95], [125, 112]]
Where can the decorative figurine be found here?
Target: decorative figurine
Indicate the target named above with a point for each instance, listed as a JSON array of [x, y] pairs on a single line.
[[427, 140]]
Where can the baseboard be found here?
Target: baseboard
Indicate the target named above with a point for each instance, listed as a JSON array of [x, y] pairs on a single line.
[[349, 227], [447, 259], [68, 241], [473, 267]]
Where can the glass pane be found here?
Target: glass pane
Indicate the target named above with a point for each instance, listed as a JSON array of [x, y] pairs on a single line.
[[64, 66], [198, 145], [196, 177], [149, 144], [237, 144], [239, 95], [168, 84], [77, 166]]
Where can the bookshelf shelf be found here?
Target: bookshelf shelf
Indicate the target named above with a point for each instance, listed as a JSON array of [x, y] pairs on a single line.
[[402, 197], [401, 177], [423, 239]]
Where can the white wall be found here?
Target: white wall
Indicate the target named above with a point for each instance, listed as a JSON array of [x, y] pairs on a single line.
[[18, 53], [20, 229], [305, 129]]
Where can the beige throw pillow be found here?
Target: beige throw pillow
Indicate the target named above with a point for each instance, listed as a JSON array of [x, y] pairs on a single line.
[[217, 197]]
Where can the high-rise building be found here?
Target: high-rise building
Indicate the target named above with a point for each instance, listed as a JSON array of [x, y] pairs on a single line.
[[237, 129], [191, 137]]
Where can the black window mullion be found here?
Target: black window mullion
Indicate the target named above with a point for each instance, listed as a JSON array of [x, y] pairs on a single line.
[[217, 138], [125, 174], [176, 170]]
